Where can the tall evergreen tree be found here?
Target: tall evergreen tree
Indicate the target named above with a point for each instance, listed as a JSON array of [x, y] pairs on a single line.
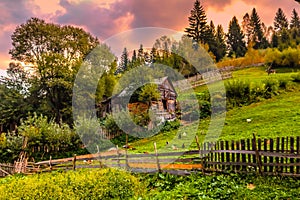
[[236, 43], [257, 35], [197, 23], [124, 61], [212, 40], [280, 21], [275, 40], [246, 27], [295, 20], [221, 44], [133, 58], [141, 53]]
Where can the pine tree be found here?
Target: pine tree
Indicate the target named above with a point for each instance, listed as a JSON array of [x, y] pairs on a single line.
[[197, 24], [275, 40], [246, 27], [280, 21], [212, 40], [221, 44], [295, 21], [141, 53], [235, 37], [124, 61], [257, 32], [133, 58]]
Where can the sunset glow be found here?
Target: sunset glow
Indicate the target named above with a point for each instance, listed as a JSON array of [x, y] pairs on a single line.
[[108, 17]]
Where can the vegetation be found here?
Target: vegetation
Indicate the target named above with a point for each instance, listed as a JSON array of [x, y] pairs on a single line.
[[165, 186], [83, 184], [116, 184]]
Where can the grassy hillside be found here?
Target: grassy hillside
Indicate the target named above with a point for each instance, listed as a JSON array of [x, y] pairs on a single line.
[[278, 116]]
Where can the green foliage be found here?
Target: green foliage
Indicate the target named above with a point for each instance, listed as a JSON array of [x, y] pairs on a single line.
[[296, 78], [149, 93], [10, 147], [40, 133], [238, 92], [170, 125], [271, 87], [83, 184], [91, 134], [257, 37], [295, 20], [216, 186], [280, 20], [237, 46], [56, 61], [198, 28], [289, 57]]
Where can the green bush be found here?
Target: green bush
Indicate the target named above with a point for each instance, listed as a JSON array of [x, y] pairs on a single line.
[[283, 83], [238, 93], [289, 57], [221, 186], [296, 78], [271, 87], [258, 92], [51, 138], [170, 125], [83, 184]]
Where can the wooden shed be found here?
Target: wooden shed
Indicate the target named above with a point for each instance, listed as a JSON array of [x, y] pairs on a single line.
[[165, 106]]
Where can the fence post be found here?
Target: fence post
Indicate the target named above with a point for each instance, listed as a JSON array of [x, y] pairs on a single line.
[[258, 159], [126, 155], [118, 155], [200, 153], [74, 162], [99, 156], [157, 160], [50, 163]]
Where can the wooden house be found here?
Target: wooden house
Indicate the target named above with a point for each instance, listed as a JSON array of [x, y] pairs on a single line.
[[165, 106]]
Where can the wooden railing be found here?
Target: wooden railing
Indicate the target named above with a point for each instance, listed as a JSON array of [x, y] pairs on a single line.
[[6, 169], [279, 156]]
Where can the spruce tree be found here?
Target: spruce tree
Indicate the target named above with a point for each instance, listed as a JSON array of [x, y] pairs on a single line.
[[246, 27], [221, 44], [133, 58], [280, 21], [124, 61], [295, 21], [212, 40], [257, 32], [275, 40], [236, 41], [197, 24], [141, 53]]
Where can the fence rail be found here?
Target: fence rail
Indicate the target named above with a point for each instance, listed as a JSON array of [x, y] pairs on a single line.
[[279, 156], [6, 169]]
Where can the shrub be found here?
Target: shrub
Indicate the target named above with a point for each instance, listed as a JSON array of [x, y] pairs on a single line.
[[258, 93], [238, 93], [83, 184], [283, 83], [296, 78], [271, 87], [289, 57], [170, 125]]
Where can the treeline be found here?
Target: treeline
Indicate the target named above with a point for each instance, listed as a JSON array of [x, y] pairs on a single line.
[[251, 32]]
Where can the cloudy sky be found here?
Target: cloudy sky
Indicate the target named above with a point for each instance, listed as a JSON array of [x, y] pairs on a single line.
[[104, 18]]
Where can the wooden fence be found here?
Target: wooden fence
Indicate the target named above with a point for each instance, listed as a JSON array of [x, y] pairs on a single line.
[[6, 169], [280, 156]]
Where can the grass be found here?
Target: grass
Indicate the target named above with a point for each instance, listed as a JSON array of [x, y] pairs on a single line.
[[275, 117]]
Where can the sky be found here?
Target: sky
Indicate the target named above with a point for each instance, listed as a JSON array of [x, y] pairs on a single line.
[[105, 18]]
